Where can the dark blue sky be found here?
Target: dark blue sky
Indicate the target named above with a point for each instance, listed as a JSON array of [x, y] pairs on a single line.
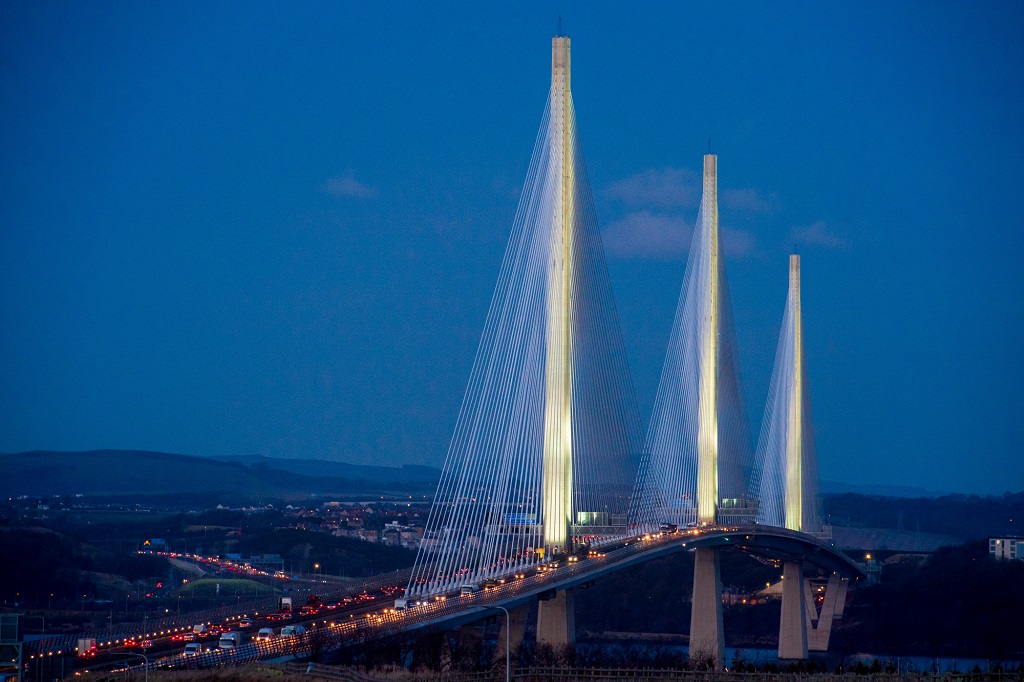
[[276, 227]]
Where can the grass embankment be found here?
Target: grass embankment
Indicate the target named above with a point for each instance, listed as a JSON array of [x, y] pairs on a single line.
[[229, 587]]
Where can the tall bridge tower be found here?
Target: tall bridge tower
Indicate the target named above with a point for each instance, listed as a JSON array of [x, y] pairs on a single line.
[[556, 504], [547, 443], [787, 480], [707, 400], [795, 416], [698, 454], [786, 477]]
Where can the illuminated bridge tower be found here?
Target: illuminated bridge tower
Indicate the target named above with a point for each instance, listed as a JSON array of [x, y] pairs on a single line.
[[787, 479], [698, 454], [547, 443], [555, 617], [556, 504]]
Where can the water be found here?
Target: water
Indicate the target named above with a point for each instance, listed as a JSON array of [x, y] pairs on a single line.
[[761, 657]]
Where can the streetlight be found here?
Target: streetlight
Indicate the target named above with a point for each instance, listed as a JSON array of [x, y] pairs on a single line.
[[142, 656], [508, 629]]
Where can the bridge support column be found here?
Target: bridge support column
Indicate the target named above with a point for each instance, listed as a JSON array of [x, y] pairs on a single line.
[[831, 610], [793, 623], [556, 620], [707, 636], [517, 620]]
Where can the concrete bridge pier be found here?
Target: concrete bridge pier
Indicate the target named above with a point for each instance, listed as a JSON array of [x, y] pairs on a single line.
[[819, 633], [517, 620], [556, 619], [707, 636], [794, 620]]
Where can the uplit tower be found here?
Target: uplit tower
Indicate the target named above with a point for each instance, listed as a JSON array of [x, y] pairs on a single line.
[[786, 478], [698, 454], [707, 401], [547, 443], [795, 438], [557, 503], [787, 474]]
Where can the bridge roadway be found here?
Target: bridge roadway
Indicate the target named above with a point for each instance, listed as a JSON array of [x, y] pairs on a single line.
[[765, 542], [378, 621]]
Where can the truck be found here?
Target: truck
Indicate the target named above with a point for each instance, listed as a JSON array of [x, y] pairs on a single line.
[[265, 635], [87, 646], [200, 629], [403, 604], [470, 589], [230, 640], [284, 605], [291, 631], [193, 649]]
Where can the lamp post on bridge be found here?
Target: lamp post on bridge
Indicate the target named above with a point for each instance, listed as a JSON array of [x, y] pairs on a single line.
[[508, 629]]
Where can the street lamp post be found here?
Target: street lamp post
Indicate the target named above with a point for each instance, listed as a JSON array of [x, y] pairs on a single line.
[[508, 630], [143, 657]]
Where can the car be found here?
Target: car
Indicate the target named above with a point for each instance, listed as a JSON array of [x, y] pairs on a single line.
[[245, 623], [147, 644]]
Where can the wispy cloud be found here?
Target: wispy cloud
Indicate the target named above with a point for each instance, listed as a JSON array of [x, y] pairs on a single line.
[[737, 243], [648, 235], [661, 236], [662, 188], [818, 234], [748, 201], [347, 186]]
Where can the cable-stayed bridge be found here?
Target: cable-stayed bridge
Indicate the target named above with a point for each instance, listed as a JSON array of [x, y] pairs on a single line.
[[550, 482], [548, 463]]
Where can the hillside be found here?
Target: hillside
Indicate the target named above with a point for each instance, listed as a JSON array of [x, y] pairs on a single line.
[[352, 472], [135, 472]]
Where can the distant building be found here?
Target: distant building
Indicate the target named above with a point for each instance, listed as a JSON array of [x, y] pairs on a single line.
[[1006, 547]]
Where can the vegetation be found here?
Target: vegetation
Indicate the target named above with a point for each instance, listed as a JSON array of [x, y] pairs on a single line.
[[958, 602], [36, 562]]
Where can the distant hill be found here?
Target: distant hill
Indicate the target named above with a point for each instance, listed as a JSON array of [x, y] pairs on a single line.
[[139, 472], [836, 488], [354, 472]]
